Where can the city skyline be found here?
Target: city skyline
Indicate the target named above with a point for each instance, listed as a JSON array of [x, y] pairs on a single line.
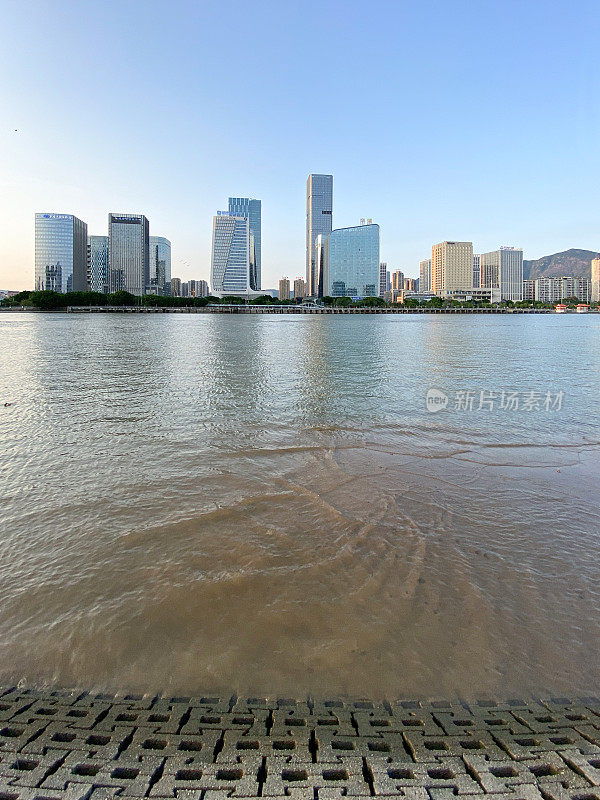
[[529, 180]]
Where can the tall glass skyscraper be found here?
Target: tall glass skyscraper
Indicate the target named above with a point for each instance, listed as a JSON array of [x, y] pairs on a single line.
[[60, 253], [350, 262], [128, 253], [319, 210], [160, 263], [503, 269], [251, 208], [232, 244], [97, 263]]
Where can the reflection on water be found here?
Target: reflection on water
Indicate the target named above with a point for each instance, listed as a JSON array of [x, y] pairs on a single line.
[[264, 504]]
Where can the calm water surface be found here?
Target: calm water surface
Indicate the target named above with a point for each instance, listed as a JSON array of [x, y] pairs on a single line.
[[261, 504]]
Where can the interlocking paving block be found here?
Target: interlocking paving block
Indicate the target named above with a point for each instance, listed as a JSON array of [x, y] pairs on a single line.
[[410, 719], [20, 770], [236, 748], [281, 777], [214, 704], [58, 736], [505, 705], [335, 749], [588, 766], [143, 702], [548, 720], [443, 705], [132, 777], [333, 723], [164, 721], [14, 736], [496, 720], [432, 748], [292, 706], [243, 705], [232, 778], [499, 776], [64, 745], [164, 745], [75, 791], [522, 791], [532, 744], [450, 774]]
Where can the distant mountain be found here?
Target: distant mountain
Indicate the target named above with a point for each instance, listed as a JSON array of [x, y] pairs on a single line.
[[569, 262]]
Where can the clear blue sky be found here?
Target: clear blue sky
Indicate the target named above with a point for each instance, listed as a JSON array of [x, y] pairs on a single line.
[[472, 120]]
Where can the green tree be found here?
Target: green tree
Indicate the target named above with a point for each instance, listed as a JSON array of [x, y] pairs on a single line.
[[344, 302], [46, 301], [121, 298]]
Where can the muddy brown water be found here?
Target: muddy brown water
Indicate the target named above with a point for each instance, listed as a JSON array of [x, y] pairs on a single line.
[[265, 505]]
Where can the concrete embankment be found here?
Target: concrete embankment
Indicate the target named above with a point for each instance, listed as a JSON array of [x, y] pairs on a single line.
[[249, 309], [63, 745]]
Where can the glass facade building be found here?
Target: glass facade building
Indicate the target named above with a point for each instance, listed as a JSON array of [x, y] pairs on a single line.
[[232, 243], [128, 253], [319, 221], [503, 269], [160, 264], [97, 266], [60, 253], [251, 208], [349, 262]]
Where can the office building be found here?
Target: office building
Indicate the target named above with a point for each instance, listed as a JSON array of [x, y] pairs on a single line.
[[97, 263], [175, 287], [349, 261], [451, 267], [231, 254], [319, 211], [60, 253], [160, 263], [503, 269], [251, 208], [476, 270], [299, 289], [425, 275], [128, 253], [284, 289], [595, 281], [397, 281], [383, 273]]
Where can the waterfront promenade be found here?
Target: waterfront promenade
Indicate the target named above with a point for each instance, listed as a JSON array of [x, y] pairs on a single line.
[[277, 309], [86, 746]]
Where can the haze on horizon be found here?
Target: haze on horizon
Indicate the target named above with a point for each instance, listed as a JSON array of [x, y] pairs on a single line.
[[440, 120]]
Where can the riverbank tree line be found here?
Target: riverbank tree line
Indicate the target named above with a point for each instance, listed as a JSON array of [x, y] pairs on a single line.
[[54, 301]]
